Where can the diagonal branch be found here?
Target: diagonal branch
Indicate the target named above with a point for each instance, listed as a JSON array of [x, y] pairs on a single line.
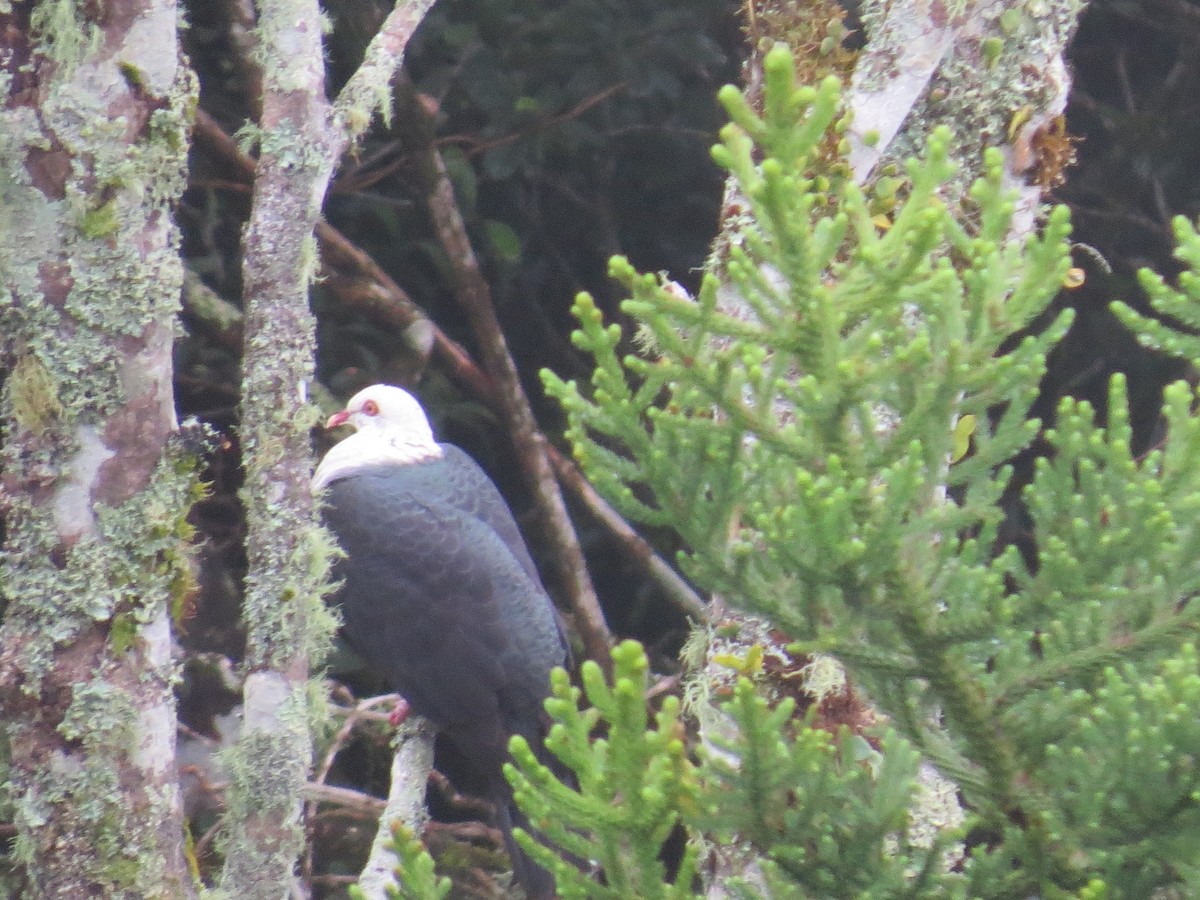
[[474, 296], [369, 89], [389, 304]]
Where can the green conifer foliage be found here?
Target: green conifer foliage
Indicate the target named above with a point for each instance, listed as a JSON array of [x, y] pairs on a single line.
[[832, 456], [415, 877], [633, 782], [827, 815], [1183, 306]]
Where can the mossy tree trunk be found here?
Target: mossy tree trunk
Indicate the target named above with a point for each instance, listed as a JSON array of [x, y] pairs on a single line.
[[288, 555], [302, 138], [94, 101]]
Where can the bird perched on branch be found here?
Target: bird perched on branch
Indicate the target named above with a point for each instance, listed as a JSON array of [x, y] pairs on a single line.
[[438, 590]]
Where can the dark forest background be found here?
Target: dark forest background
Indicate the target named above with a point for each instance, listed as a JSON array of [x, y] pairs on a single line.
[[573, 131]]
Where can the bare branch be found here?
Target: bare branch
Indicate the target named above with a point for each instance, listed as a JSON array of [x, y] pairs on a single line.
[[677, 590], [474, 296], [405, 804]]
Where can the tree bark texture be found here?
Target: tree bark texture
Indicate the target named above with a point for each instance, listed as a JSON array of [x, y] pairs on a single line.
[[94, 100], [992, 72], [288, 558], [302, 137]]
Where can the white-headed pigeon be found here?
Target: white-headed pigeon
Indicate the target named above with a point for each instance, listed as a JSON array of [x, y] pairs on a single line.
[[438, 590]]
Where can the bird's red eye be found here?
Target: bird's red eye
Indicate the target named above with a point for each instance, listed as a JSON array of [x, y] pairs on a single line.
[[371, 408]]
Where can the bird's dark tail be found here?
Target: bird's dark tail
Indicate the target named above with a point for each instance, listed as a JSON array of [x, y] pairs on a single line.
[[537, 883]]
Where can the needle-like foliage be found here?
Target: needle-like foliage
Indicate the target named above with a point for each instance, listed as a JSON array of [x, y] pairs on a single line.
[[415, 876], [633, 781], [828, 428], [827, 815]]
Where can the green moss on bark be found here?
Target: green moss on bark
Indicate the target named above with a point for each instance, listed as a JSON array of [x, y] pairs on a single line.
[[91, 281]]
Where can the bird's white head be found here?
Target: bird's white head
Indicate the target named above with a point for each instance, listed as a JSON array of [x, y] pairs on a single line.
[[390, 427]]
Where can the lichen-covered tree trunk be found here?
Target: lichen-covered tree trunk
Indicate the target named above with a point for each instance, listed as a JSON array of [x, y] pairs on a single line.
[[287, 555], [302, 136], [93, 143]]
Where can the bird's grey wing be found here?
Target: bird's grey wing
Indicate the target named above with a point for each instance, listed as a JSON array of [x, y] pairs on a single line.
[[469, 488], [435, 599]]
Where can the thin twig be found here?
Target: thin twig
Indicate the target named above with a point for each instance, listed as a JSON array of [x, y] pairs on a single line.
[[459, 803], [361, 804], [475, 146], [315, 793]]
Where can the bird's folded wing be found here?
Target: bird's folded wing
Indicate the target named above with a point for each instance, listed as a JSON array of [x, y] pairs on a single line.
[[435, 599]]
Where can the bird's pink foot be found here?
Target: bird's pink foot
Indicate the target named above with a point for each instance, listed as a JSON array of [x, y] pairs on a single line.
[[399, 712]]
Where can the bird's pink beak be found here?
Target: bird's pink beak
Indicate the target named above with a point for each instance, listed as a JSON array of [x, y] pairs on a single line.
[[338, 418]]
